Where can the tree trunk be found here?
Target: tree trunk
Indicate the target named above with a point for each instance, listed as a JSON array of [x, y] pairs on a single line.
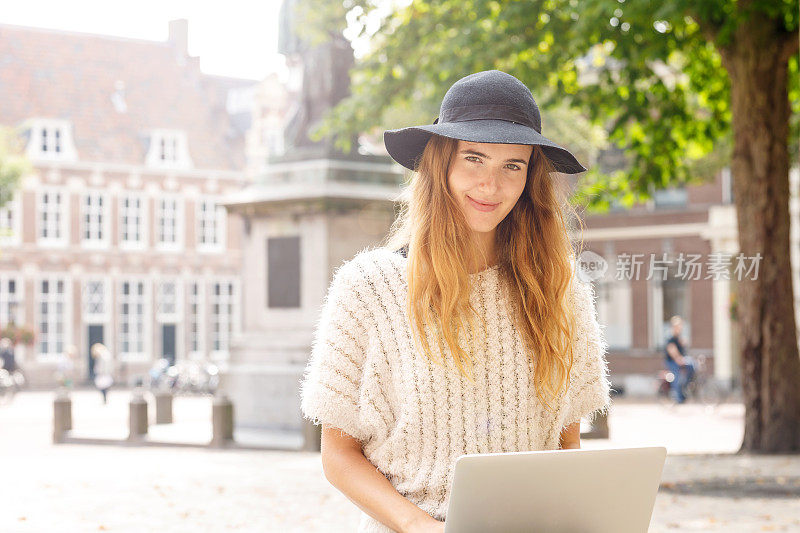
[[757, 61]]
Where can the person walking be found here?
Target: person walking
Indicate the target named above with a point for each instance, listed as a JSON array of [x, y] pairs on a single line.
[[103, 369], [65, 367], [677, 361], [468, 330], [8, 359]]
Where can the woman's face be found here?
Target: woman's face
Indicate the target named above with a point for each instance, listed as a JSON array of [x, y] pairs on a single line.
[[488, 173]]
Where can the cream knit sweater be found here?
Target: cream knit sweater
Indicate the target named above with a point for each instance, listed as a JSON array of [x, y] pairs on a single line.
[[413, 418]]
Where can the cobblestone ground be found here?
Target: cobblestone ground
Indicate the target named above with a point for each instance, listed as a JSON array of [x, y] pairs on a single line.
[[80, 488]]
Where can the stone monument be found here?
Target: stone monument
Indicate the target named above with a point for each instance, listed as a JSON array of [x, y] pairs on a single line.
[[312, 209]]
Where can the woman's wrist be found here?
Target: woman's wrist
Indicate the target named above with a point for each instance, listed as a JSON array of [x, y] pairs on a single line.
[[417, 522]]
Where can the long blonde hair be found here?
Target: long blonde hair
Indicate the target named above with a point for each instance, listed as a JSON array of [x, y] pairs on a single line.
[[535, 257]]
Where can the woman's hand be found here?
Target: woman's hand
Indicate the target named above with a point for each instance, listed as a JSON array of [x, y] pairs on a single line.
[[429, 525]]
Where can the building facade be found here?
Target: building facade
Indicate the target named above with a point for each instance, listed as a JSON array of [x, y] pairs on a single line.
[[118, 234], [674, 255]]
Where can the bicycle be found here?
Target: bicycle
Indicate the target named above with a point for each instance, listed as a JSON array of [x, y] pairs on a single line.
[[10, 384], [702, 388]]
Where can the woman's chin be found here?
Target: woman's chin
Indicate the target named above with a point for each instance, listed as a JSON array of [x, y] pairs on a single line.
[[482, 227]]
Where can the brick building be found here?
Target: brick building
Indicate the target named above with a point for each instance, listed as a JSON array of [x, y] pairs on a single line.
[[118, 235], [661, 236]]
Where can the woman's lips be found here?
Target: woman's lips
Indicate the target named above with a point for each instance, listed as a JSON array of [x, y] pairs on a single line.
[[482, 207]]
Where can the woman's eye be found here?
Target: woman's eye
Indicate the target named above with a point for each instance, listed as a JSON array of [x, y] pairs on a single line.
[[475, 159]]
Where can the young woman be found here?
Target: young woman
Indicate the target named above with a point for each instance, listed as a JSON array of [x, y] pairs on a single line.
[[103, 369], [402, 376]]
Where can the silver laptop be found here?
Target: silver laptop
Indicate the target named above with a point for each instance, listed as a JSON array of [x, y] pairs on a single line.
[[556, 491]]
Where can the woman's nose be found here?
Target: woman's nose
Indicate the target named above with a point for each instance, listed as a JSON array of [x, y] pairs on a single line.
[[488, 179]]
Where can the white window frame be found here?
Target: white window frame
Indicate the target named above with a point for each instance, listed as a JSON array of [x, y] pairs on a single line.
[[163, 317], [19, 307], [218, 354], [11, 235], [168, 149], [220, 225], [200, 318], [50, 140], [179, 214], [128, 244], [64, 227], [727, 185], [90, 317], [66, 334], [615, 312], [134, 356], [272, 141], [676, 197], [105, 226], [6, 300], [659, 324]]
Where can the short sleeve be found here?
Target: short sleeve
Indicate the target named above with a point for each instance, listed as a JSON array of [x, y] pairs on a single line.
[[590, 386], [331, 384]]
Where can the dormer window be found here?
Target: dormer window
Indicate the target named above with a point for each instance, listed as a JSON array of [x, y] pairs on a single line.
[[168, 148], [50, 139], [52, 142]]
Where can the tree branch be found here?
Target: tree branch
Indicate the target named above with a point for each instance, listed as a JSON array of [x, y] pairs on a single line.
[[707, 27]]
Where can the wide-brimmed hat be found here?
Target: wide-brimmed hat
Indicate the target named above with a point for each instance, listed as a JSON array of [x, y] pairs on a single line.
[[486, 107]]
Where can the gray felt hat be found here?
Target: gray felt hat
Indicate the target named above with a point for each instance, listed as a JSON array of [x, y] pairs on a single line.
[[486, 107]]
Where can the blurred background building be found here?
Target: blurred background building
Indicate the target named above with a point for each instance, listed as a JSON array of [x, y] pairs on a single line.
[[636, 312], [182, 215], [118, 235]]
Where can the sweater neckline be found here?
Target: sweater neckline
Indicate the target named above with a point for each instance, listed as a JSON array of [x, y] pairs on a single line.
[[485, 271], [474, 276]]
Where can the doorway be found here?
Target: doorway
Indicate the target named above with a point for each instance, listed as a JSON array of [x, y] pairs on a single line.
[[168, 342]]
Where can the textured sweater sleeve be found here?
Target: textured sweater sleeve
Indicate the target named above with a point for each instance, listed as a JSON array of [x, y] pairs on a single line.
[[589, 382], [331, 384]]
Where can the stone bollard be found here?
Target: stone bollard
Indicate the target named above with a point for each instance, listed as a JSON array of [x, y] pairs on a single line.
[[312, 437], [163, 407], [137, 421], [599, 427], [62, 415], [222, 421]]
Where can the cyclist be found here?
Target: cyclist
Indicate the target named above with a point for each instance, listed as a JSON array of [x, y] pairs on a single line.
[[677, 362]]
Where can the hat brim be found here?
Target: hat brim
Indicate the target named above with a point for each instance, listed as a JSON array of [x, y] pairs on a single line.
[[406, 145]]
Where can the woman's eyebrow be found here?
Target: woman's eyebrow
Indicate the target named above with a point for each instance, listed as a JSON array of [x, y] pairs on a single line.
[[473, 152]]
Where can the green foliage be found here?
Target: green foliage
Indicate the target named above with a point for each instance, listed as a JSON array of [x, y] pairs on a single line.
[[13, 165], [649, 73]]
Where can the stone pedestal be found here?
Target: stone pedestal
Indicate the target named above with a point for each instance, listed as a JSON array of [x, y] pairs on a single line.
[[599, 427], [222, 421], [312, 437], [62, 415], [137, 421], [163, 407], [318, 209]]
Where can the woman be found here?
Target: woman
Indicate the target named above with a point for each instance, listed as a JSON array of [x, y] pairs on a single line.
[[401, 377], [103, 369]]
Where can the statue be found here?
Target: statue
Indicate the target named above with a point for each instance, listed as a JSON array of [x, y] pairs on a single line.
[[325, 76]]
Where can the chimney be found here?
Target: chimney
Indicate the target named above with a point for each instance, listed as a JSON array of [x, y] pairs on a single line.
[[179, 35]]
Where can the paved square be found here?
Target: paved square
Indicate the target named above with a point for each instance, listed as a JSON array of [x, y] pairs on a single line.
[[79, 488]]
